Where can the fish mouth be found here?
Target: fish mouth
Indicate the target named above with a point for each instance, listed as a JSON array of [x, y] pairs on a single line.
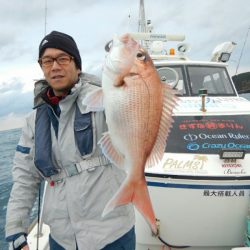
[[123, 79], [133, 74]]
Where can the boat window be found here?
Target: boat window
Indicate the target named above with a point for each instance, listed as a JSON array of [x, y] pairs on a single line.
[[214, 79], [180, 86]]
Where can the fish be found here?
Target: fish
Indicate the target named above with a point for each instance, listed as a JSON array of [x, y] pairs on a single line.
[[138, 109]]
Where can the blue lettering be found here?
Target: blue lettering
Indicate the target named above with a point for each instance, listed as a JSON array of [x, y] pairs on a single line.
[[193, 146]]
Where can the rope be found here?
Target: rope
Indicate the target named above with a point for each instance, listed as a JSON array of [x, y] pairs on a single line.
[[38, 219], [169, 245]]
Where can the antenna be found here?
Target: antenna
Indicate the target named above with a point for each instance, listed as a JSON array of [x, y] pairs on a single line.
[[143, 26], [242, 51], [142, 19], [45, 18]]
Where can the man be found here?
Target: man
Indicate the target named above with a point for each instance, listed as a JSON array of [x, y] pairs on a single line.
[[59, 144]]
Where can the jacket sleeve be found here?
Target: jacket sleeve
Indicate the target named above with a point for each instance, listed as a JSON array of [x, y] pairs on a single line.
[[26, 180]]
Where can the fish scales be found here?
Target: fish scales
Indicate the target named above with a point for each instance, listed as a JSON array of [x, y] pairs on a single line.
[[133, 117]]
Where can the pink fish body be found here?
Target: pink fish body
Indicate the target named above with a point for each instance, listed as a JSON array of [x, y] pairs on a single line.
[[138, 108]]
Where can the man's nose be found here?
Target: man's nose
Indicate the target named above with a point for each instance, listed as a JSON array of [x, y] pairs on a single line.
[[55, 65]]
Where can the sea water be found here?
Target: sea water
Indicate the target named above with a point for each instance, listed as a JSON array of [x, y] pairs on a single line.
[[8, 141]]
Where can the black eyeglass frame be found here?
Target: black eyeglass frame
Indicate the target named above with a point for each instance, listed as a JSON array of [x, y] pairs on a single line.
[[55, 59]]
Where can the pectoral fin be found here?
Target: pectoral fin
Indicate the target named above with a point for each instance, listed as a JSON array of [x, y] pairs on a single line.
[[94, 101]]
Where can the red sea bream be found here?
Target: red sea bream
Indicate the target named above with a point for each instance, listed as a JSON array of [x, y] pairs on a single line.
[[138, 108]]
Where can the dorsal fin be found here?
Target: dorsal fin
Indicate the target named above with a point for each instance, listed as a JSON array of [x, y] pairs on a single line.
[[169, 102]]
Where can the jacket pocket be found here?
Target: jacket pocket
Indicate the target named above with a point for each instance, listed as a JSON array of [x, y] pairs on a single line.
[[83, 130]]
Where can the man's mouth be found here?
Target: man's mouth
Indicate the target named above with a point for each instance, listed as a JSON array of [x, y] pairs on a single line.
[[57, 77]]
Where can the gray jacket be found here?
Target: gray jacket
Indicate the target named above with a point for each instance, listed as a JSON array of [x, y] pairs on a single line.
[[73, 206]]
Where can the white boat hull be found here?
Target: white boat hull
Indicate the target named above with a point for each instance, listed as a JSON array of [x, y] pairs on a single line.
[[204, 214]]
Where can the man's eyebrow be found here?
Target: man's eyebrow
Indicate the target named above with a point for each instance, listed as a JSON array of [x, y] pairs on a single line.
[[61, 54]]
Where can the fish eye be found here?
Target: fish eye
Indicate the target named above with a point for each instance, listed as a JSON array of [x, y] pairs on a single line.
[[108, 45], [141, 56]]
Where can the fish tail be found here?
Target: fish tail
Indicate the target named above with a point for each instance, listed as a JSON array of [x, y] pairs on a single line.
[[137, 193]]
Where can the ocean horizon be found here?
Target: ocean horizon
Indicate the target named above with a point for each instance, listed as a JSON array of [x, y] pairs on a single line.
[[8, 141]]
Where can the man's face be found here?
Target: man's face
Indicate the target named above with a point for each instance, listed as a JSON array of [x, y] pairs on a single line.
[[61, 74]]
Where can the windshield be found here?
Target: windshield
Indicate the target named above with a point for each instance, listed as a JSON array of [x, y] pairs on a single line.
[[180, 86], [192, 78], [245, 95], [214, 79]]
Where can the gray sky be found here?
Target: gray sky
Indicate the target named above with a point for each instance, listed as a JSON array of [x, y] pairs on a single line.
[[92, 23]]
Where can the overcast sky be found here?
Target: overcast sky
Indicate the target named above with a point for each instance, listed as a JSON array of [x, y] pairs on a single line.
[[205, 23]]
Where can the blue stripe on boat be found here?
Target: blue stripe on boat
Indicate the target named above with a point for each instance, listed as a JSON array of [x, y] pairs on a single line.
[[194, 186]]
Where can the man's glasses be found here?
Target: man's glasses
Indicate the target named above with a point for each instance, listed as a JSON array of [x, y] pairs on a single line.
[[47, 62]]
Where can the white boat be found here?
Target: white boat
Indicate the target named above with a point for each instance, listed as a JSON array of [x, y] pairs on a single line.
[[200, 190]]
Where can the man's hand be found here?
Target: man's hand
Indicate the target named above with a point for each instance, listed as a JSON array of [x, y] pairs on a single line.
[[26, 247], [19, 243]]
